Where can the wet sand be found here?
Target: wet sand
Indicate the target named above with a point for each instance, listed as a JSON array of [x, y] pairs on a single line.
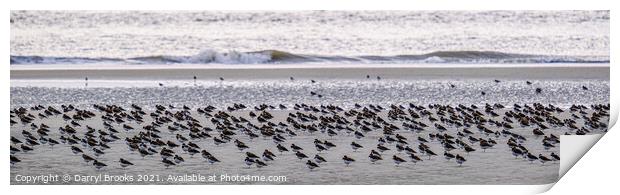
[[156, 72]]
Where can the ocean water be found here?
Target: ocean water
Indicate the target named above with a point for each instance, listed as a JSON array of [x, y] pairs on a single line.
[[258, 37]]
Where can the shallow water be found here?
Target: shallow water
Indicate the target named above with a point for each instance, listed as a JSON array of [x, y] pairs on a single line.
[[338, 92], [494, 166]]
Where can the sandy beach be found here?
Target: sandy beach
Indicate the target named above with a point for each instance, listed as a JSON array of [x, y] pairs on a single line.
[[353, 71]]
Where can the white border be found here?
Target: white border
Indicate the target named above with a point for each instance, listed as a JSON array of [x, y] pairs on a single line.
[[595, 173]]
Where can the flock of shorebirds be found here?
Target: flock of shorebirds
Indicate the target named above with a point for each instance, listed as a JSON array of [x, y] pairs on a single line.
[[458, 130]]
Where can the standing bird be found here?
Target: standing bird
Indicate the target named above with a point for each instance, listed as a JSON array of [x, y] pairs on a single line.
[[259, 163], [398, 160], [347, 160], [555, 156], [281, 148], [460, 160], [311, 165], [75, 150], [414, 158], [448, 155], [543, 159], [356, 146], [248, 161], [240, 145], [319, 159], [167, 163], [125, 163], [14, 160], [300, 155], [87, 158], [99, 165]]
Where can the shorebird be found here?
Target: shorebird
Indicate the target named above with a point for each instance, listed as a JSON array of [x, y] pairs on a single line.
[[311, 165], [212, 160], [14, 150], [543, 159], [98, 152], [358, 135], [15, 140], [14, 160], [167, 163], [178, 159], [125, 163], [414, 158], [87, 158], [555, 156], [460, 160], [398, 160], [259, 163], [484, 144], [296, 148], [248, 161], [74, 149], [205, 154], [300, 155], [347, 160], [26, 148], [192, 151], [517, 152], [374, 157], [409, 150], [531, 157], [469, 149], [429, 153], [240, 145], [268, 155], [98, 164], [218, 141], [448, 155], [319, 147], [382, 148], [356, 146], [319, 159], [281, 148], [251, 155]]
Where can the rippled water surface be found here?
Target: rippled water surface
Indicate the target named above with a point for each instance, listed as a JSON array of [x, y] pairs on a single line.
[[338, 92]]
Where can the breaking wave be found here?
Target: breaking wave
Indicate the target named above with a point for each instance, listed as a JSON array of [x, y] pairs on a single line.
[[282, 57]]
